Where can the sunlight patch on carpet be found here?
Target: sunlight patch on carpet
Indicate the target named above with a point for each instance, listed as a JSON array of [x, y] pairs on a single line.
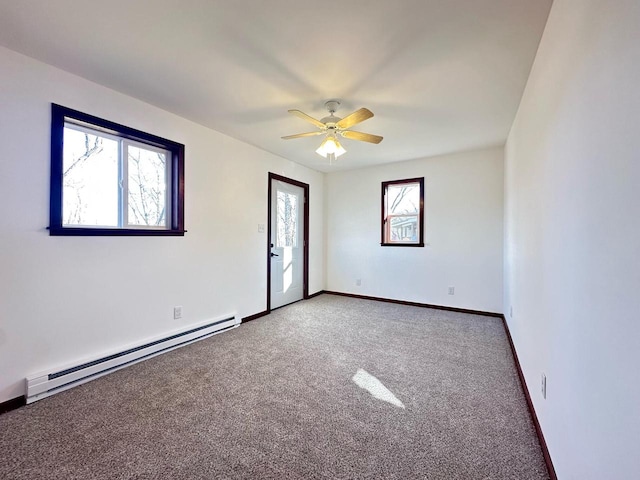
[[375, 387]]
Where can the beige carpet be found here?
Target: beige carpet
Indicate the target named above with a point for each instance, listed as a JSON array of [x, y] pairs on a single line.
[[331, 387]]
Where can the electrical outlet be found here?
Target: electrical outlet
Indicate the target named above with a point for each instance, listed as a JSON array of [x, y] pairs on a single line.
[[452, 290], [543, 386], [358, 282], [261, 228], [177, 313]]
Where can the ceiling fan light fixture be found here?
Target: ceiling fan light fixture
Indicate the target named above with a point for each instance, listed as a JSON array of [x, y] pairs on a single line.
[[333, 126], [330, 146]]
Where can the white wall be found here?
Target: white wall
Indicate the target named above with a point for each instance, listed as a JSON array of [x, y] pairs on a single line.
[[65, 298], [463, 232], [572, 268]]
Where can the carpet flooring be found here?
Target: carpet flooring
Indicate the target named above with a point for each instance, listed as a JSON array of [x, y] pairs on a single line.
[[331, 387]]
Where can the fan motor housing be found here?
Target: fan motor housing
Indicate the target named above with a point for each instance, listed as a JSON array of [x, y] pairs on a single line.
[[331, 120]]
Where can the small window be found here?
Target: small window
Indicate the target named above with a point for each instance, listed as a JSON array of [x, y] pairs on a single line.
[[403, 213], [108, 179]]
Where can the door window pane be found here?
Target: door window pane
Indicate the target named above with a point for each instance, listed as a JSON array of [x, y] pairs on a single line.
[[286, 221]]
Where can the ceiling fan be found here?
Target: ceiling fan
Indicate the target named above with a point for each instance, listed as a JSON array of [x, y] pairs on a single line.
[[332, 126]]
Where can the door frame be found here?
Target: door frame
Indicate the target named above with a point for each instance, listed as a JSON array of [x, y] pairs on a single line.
[[305, 223]]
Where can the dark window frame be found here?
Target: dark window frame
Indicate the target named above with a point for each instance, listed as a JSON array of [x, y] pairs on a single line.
[[383, 213], [59, 115]]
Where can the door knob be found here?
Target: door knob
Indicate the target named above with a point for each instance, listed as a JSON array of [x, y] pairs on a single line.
[[274, 254]]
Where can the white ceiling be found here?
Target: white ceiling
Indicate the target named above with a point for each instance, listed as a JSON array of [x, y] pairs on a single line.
[[440, 75]]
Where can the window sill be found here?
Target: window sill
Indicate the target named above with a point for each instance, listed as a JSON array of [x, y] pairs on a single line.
[[402, 244], [113, 232]]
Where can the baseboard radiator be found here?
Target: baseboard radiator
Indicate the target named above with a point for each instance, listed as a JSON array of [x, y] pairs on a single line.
[[48, 383]]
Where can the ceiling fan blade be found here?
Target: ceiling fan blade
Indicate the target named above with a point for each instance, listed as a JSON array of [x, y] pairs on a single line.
[[356, 117], [363, 137], [306, 117], [300, 135]]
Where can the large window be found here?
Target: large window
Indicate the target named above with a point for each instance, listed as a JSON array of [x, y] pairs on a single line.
[[108, 179], [403, 213]]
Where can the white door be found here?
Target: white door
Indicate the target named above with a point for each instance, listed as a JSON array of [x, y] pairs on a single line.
[[287, 243]]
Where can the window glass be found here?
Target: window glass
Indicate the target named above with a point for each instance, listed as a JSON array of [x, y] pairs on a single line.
[[147, 187], [89, 179], [404, 199], [404, 228]]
